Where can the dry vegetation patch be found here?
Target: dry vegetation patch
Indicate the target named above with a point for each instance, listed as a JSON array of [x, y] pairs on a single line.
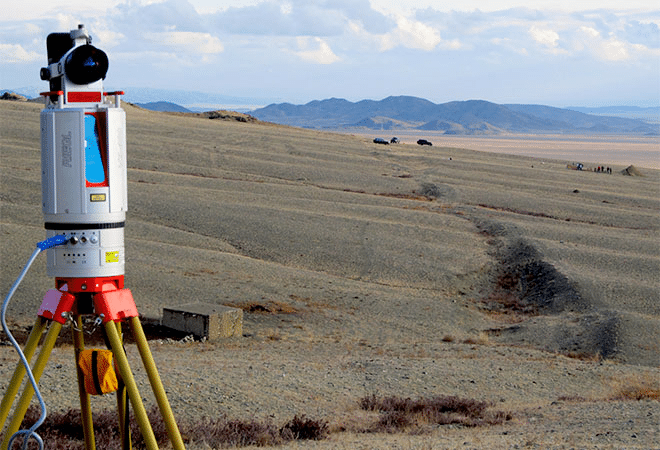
[[63, 431], [405, 414], [640, 387], [268, 307]]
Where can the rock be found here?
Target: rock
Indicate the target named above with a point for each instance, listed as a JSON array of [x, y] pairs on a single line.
[[13, 97], [631, 171]]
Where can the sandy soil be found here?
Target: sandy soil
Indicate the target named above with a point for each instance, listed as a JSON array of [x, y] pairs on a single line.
[[591, 150], [396, 270]]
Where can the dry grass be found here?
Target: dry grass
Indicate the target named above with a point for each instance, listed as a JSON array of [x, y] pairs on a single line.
[[63, 431], [268, 307], [639, 387], [632, 388], [481, 339], [404, 414]]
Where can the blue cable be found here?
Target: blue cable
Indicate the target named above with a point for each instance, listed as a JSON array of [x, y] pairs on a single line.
[[51, 242], [31, 432]]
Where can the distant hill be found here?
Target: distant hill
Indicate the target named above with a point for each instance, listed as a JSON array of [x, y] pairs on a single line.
[[163, 107], [195, 101], [6, 95], [615, 110], [651, 114], [23, 91], [473, 117]]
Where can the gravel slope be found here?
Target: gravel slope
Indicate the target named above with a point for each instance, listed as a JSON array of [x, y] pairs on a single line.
[[393, 270]]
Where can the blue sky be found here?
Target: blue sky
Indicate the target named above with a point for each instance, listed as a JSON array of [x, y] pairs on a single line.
[[559, 53]]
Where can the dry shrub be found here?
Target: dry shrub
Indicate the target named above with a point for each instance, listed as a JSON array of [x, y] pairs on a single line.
[[481, 339], [269, 307], [222, 432], [574, 398], [412, 196], [63, 431], [637, 388], [302, 428], [585, 356], [398, 413], [505, 297]]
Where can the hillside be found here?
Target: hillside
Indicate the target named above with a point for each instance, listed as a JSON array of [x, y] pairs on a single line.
[[364, 269], [163, 107], [472, 117]]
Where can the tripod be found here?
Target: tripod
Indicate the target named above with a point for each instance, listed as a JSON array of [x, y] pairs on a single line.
[[112, 304]]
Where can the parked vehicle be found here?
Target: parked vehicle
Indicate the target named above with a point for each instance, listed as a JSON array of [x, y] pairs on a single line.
[[424, 142], [380, 141], [394, 140]]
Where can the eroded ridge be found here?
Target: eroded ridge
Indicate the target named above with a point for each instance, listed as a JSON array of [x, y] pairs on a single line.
[[540, 305]]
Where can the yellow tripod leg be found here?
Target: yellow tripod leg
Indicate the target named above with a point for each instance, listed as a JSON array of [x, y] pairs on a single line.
[[122, 408], [28, 392], [131, 386], [85, 404], [156, 384], [19, 373]]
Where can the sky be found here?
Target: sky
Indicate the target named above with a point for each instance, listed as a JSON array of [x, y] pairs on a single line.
[[554, 52]]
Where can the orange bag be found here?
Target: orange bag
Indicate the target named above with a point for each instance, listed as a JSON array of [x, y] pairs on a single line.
[[98, 371]]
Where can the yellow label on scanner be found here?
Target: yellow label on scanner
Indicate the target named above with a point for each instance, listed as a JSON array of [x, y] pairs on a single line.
[[112, 257], [97, 197]]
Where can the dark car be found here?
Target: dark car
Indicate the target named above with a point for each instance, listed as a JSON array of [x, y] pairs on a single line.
[[394, 140], [424, 142], [380, 141]]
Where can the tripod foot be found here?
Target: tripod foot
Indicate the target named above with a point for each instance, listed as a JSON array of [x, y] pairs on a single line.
[[156, 384], [131, 386]]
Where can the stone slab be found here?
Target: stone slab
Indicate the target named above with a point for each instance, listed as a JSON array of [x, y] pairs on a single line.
[[204, 320]]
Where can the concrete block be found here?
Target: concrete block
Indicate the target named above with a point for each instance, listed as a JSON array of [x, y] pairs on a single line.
[[205, 320]]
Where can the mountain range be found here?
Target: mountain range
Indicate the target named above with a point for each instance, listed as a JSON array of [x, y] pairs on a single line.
[[472, 117], [194, 101]]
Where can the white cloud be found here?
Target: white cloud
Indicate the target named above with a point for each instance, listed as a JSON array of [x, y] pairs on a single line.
[[315, 50], [611, 48], [614, 50], [160, 40], [590, 32], [547, 38], [286, 8], [107, 38], [189, 41], [411, 34], [544, 36], [42, 9], [15, 53], [509, 44], [498, 5]]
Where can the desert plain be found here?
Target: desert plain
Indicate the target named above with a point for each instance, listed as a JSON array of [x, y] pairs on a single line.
[[365, 269]]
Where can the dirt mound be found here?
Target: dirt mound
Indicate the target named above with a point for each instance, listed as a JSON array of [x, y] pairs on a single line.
[[229, 115], [632, 171], [548, 311], [527, 284], [437, 191], [586, 336]]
